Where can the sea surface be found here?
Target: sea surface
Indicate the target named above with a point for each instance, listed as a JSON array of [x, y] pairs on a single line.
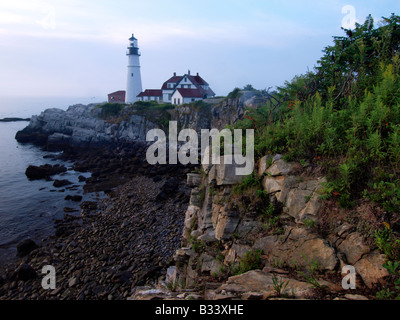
[[28, 209]]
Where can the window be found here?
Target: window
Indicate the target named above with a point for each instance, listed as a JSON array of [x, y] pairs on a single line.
[[189, 86], [169, 96], [131, 74], [179, 101], [174, 100]]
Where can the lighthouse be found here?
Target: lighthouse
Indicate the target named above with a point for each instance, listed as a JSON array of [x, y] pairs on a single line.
[[134, 79]]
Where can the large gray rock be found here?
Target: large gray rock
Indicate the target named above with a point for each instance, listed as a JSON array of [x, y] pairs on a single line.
[[81, 125], [226, 225], [227, 173], [298, 247], [257, 281], [371, 269], [281, 167], [353, 247]]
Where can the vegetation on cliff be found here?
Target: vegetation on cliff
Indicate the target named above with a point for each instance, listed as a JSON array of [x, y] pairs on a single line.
[[345, 118], [151, 110]]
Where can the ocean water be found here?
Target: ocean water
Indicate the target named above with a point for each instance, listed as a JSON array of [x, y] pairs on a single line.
[[28, 209]]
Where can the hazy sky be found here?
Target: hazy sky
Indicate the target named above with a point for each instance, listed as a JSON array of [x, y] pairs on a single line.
[[77, 47]]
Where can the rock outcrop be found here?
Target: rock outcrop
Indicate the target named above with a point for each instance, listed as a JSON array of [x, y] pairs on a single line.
[[219, 238], [81, 125], [84, 126]]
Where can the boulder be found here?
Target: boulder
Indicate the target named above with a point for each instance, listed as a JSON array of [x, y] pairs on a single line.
[[25, 272], [194, 179], [353, 247], [226, 224], [262, 165], [281, 167], [296, 202], [371, 270], [298, 247], [75, 198], [43, 171], [256, 281], [235, 252], [169, 186], [61, 183], [25, 247], [279, 186], [210, 264], [227, 174]]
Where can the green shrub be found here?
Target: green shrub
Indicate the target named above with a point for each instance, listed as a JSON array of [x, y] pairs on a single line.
[[387, 242], [251, 261], [234, 94], [110, 109], [344, 116]]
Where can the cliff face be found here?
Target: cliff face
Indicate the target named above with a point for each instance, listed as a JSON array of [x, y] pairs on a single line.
[[214, 114], [231, 250], [82, 125]]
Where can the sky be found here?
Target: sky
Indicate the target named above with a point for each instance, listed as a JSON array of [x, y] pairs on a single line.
[[78, 47]]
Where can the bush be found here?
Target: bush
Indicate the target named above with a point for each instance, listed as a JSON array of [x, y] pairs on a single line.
[[344, 116], [234, 94], [251, 261], [110, 109]]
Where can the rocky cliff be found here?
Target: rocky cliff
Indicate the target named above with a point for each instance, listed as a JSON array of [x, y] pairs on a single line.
[[231, 249], [81, 125], [264, 236], [84, 126]]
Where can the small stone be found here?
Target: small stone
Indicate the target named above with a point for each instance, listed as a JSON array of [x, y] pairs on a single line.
[[73, 282], [55, 291], [355, 297], [252, 296], [98, 290]]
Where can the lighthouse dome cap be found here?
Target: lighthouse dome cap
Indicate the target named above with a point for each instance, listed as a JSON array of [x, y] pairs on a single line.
[[132, 38]]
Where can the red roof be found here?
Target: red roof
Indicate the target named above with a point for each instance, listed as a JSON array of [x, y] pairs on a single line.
[[197, 80], [190, 93], [150, 93], [174, 79], [117, 93]]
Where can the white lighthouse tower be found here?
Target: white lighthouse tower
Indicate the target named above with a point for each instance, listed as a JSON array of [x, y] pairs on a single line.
[[134, 79]]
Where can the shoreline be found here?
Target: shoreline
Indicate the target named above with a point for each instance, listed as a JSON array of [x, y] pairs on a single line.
[[149, 228]]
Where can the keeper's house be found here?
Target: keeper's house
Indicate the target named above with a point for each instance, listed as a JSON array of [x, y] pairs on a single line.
[[179, 90]]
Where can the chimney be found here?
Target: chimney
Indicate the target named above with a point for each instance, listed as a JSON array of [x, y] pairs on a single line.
[[197, 74], [174, 74], [189, 72]]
